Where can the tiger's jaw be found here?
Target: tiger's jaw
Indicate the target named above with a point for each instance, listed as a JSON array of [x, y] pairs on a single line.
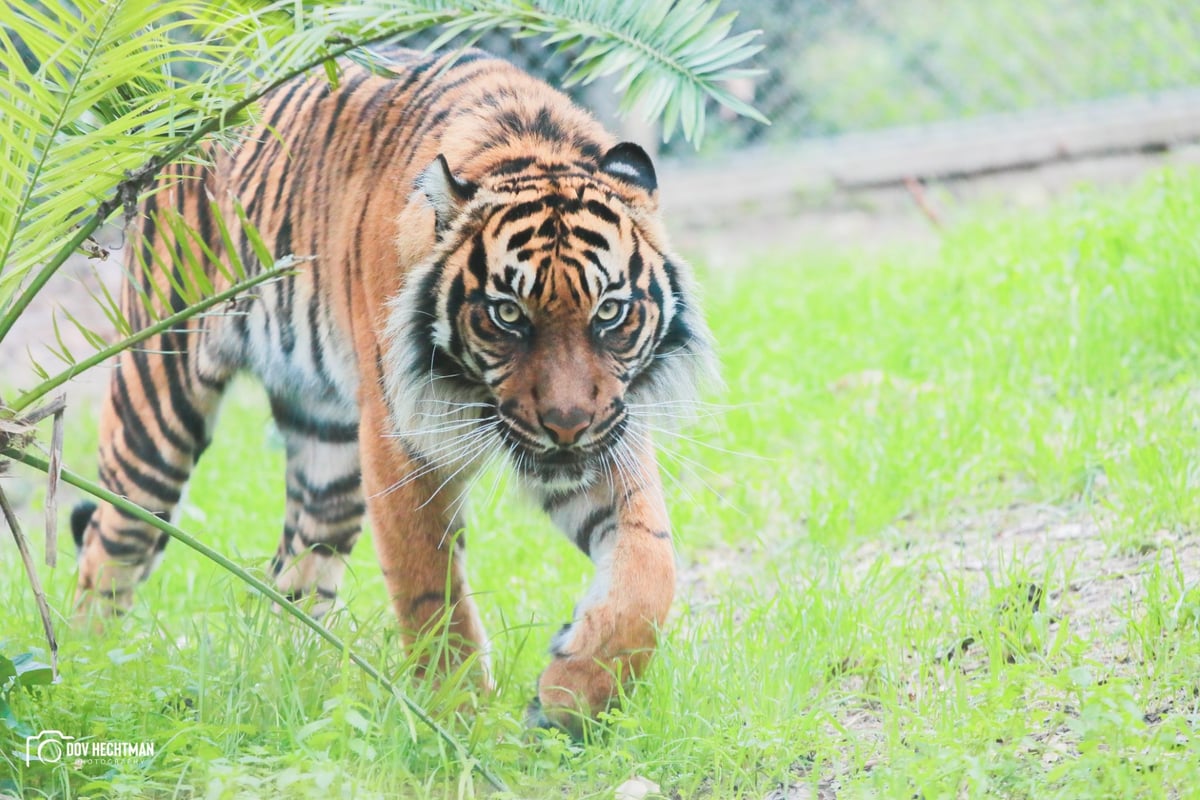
[[555, 470]]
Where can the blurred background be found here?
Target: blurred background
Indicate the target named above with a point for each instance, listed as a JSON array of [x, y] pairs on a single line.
[[890, 118], [886, 113]]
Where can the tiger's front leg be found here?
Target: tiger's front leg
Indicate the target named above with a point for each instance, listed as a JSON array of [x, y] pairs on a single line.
[[621, 524], [416, 538]]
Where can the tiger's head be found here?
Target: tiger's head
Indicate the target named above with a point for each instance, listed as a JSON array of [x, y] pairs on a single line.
[[548, 323]]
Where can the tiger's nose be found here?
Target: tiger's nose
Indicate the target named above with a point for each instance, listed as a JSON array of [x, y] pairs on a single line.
[[565, 425]]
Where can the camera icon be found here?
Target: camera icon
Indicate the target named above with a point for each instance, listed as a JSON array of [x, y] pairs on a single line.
[[47, 746]]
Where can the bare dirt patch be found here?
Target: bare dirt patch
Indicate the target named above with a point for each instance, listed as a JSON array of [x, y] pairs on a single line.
[[1071, 569], [33, 339]]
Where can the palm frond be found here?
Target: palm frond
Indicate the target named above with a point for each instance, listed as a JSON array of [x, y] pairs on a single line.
[[102, 99], [109, 104]]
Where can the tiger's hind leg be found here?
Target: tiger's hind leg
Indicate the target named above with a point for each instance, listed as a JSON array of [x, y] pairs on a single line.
[[155, 423], [324, 510]]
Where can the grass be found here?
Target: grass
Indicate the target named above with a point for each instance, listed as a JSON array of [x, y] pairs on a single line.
[[939, 545]]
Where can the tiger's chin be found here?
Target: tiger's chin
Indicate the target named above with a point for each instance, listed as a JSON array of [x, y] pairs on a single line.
[[557, 477]]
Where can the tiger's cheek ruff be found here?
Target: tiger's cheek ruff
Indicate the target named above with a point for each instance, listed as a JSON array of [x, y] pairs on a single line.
[[430, 396]]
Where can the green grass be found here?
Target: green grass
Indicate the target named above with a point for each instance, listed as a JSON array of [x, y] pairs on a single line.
[[890, 415]]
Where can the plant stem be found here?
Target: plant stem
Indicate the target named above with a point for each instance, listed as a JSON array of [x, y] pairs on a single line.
[[164, 324], [35, 582], [141, 514]]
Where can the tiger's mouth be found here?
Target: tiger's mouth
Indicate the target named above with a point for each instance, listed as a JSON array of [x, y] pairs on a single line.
[[560, 466]]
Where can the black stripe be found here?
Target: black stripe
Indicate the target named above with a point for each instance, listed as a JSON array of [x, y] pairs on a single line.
[[426, 597], [563, 203], [556, 501], [454, 303], [600, 428], [512, 166], [439, 89], [315, 346], [112, 481], [590, 237], [335, 512], [636, 263], [287, 416], [399, 89], [417, 109], [150, 392], [598, 209], [520, 239], [315, 493], [590, 525], [580, 274], [181, 393], [388, 90], [129, 553], [289, 91], [520, 211], [337, 543], [345, 92], [165, 516], [287, 289], [136, 439], [163, 492]]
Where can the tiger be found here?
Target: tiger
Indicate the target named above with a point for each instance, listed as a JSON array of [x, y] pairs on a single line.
[[482, 274]]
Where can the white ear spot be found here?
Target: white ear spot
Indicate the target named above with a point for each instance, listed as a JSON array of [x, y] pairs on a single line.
[[621, 168], [630, 163]]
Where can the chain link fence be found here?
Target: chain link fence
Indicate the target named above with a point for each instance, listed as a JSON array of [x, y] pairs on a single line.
[[844, 66]]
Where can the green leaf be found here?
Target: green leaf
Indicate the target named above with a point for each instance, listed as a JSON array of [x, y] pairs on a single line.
[[8, 671], [23, 670], [10, 721], [31, 672]]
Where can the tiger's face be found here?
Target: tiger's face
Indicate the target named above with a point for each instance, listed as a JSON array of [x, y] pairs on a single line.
[[548, 323]]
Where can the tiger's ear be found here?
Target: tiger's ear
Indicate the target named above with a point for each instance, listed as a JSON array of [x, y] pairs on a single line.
[[630, 163], [445, 193]]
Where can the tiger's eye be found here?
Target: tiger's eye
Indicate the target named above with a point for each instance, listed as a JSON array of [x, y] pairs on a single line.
[[508, 312], [608, 311]]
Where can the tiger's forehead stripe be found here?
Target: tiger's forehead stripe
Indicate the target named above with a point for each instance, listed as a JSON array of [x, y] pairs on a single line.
[[551, 226]]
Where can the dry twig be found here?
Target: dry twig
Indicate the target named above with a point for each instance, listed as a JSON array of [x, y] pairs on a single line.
[[34, 581]]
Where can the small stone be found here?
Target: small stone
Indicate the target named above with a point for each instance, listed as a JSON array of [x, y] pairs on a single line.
[[636, 788]]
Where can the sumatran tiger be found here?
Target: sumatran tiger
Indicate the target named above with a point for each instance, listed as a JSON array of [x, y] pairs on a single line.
[[483, 272]]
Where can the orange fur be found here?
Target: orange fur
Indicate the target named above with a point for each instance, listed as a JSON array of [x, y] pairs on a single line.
[[419, 207]]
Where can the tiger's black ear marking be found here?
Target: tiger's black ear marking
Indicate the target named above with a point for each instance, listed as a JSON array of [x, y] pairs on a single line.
[[81, 517], [445, 193], [630, 163]]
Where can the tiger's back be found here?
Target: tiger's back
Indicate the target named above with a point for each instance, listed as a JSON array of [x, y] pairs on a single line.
[[463, 233]]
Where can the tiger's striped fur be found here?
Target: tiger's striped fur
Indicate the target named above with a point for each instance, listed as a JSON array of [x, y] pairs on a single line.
[[489, 278]]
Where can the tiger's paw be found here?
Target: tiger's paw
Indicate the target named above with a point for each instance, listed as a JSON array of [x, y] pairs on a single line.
[[95, 611], [537, 719], [318, 605], [571, 692]]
